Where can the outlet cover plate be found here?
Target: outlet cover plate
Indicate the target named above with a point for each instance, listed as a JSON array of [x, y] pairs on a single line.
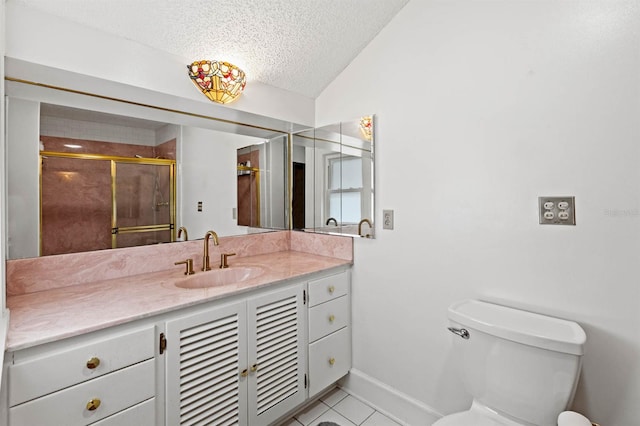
[[557, 210], [387, 219]]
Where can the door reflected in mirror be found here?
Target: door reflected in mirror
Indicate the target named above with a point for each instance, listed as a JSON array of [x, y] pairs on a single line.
[[333, 174], [262, 184]]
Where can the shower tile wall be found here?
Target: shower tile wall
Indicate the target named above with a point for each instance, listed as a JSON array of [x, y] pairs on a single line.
[[76, 203]]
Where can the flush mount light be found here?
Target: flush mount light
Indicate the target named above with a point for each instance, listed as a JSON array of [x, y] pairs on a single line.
[[219, 81]]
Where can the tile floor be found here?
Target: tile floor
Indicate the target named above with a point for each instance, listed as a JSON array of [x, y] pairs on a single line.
[[339, 407]]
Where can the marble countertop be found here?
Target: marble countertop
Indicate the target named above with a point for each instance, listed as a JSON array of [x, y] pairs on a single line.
[[51, 315]]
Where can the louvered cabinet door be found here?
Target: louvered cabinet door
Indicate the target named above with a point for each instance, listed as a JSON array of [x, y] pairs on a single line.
[[206, 353], [277, 354]]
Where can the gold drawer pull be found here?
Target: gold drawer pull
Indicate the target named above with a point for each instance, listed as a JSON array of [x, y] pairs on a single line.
[[93, 363], [332, 361], [254, 368], [244, 373], [332, 318], [93, 404], [331, 289]]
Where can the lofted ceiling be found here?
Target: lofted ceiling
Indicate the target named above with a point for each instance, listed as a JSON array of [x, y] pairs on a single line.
[[297, 45]]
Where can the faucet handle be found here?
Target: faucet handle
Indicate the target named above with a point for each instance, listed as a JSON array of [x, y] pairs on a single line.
[[189, 269], [223, 260]]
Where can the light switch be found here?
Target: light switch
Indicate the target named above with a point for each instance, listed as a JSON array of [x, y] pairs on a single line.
[[557, 210]]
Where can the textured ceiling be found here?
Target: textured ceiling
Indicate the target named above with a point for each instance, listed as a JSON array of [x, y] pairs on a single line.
[[298, 45]]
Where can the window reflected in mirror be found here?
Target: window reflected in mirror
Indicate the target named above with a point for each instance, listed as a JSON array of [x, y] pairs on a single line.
[[333, 174]]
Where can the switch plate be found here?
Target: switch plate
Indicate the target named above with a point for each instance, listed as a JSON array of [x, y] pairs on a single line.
[[387, 219], [557, 210]]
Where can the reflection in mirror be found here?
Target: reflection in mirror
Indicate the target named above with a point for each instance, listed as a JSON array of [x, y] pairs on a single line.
[[333, 174], [107, 180], [262, 183]]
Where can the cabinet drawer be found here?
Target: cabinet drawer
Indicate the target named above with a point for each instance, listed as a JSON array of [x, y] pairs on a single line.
[[116, 391], [328, 317], [329, 360], [143, 414], [35, 376], [328, 288]]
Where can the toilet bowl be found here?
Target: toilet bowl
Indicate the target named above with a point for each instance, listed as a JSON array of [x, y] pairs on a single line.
[[521, 368]]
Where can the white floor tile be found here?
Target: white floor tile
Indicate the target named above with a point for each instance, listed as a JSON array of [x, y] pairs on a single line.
[[291, 422], [311, 413], [354, 409], [378, 419], [333, 397], [332, 416]]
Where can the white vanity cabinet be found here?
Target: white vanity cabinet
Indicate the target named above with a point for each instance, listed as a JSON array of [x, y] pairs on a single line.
[[238, 363], [329, 330], [103, 378], [249, 359]]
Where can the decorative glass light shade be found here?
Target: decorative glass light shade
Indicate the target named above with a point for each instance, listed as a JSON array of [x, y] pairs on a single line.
[[220, 81], [366, 127]]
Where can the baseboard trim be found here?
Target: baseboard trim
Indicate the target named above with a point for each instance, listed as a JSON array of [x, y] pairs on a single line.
[[389, 401]]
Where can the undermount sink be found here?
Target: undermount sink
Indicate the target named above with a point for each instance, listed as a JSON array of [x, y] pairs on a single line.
[[215, 277]]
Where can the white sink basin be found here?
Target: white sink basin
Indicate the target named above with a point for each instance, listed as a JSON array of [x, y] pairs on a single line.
[[215, 277]]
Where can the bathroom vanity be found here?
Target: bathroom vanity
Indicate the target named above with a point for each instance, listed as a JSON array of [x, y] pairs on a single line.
[[144, 350]]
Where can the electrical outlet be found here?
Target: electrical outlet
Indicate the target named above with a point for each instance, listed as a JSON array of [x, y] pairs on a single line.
[[557, 210], [387, 219], [199, 206]]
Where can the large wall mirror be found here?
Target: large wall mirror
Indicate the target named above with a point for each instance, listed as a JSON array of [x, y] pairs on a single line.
[[81, 178], [89, 173], [333, 178]]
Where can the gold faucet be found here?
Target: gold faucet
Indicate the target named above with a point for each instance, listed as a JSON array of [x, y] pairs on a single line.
[[186, 236], [189, 263], [205, 257], [360, 227], [331, 219], [223, 260]]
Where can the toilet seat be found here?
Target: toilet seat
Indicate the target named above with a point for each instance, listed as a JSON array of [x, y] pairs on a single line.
[[477, 415], [467, 418]]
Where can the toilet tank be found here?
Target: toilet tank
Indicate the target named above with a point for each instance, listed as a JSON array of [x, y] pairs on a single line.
[[521, 364]]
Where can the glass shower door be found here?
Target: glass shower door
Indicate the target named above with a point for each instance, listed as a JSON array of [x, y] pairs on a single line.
[[143, 203]]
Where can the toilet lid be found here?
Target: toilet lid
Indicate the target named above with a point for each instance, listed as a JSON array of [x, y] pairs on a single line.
[[468, 418]]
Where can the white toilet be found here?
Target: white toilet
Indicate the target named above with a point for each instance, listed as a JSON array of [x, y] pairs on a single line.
[[520, 367]]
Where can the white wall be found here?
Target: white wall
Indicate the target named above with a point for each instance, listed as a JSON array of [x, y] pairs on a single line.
[[2, 160], [23, 178], [483, 106], [207, 161], [91, 130], [3, 215]]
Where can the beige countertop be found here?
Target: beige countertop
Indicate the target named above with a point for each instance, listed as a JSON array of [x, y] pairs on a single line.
[[51, 315]]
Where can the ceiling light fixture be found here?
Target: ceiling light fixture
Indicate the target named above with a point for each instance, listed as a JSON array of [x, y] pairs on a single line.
[[219, 81], [366, 127]]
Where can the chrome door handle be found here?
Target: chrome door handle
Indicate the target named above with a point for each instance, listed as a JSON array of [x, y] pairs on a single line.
[[462, 332]]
